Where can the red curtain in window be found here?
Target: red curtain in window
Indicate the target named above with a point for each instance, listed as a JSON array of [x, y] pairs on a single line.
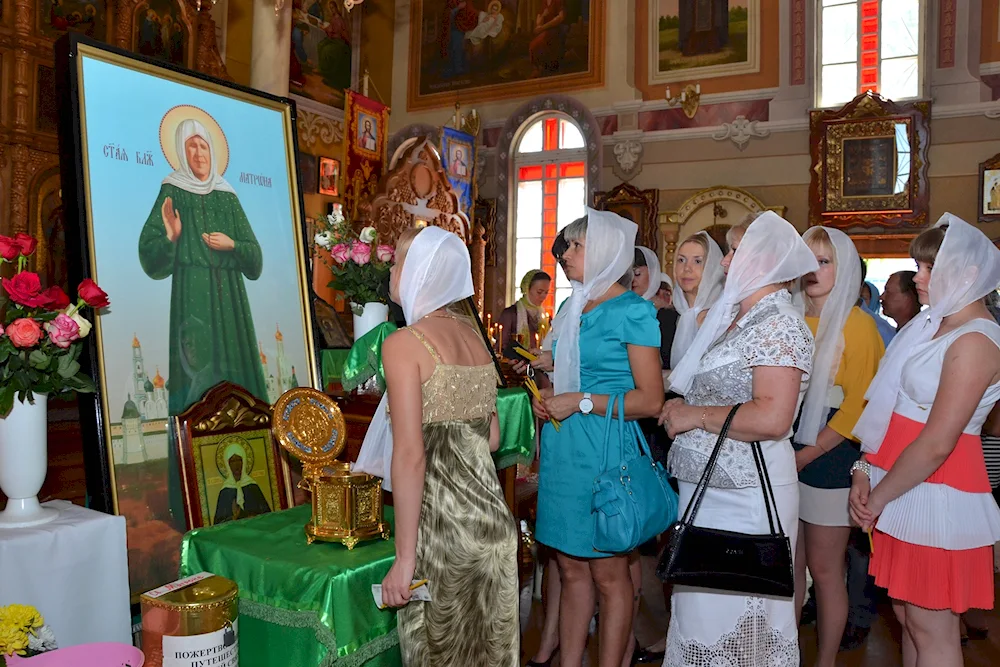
[[869, 45], [550, 175]]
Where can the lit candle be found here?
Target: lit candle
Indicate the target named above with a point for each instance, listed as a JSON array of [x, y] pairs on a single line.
[[697, 88], [536, 341], [489, 321], [499, 338], [668, 92]]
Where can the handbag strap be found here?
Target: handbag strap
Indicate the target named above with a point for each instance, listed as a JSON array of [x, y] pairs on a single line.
[[608, 421], [770, 505], [609, 417], [766, 488], [706, 475]]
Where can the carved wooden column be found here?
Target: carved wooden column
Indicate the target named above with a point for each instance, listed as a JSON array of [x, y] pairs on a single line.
[[477, 250], [20, 156], [272, 46], [208, 59], [669, 230]]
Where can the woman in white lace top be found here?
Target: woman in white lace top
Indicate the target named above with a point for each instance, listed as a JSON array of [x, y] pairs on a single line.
[[754, 349]]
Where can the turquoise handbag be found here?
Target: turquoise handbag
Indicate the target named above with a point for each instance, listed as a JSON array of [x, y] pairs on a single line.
[[633, 500]]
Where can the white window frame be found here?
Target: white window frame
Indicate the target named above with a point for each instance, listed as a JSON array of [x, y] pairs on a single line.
[[540, 158], [923, 52]]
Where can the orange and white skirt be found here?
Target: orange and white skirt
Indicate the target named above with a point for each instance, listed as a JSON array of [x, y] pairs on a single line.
[[933, 546]]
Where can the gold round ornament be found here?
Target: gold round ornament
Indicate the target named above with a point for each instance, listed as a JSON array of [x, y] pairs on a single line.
[[310, 426]]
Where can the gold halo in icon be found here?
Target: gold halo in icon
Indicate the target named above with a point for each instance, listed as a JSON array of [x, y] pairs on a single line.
[[168, 131]]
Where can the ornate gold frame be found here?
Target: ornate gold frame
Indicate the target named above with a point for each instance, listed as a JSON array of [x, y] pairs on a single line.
[[226, 409], [628, 198], [868, 116], [76, 195], [592, 78], [671, 222]]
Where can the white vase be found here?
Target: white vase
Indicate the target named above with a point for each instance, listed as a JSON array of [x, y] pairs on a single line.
[[24, 462], [372, 315]]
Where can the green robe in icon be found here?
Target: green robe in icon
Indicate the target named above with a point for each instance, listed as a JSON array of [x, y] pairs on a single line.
[[212, 334]]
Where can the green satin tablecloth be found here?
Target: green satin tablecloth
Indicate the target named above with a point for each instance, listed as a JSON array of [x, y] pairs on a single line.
[[517, 428], [300, 604]]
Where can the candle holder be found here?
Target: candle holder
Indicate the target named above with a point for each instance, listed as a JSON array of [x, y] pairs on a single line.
[[689, 99]]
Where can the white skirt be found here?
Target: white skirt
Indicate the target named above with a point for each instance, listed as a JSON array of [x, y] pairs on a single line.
[[709, 627], [824, 507]]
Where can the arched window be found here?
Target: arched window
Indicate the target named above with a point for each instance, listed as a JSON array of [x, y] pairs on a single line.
[[550, 191], [868, 45]]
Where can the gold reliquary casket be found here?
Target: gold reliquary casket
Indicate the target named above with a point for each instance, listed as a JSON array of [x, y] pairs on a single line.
[[346, 506]]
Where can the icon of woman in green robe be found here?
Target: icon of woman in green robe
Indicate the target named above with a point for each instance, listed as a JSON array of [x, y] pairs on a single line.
[[198, 235]]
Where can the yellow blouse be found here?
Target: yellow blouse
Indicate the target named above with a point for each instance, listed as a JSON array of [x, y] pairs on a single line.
[[863, 350]]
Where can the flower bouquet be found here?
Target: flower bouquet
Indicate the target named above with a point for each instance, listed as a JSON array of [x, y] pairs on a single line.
[[40, 331], [23, 632], [359, 263]]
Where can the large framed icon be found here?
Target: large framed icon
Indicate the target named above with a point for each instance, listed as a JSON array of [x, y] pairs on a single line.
[[183, 200]]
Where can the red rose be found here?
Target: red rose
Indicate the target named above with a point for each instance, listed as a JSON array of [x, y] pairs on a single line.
[[54, 298], [92, 295], [24, 288], [9, 248], [27, 243], [24, 332]]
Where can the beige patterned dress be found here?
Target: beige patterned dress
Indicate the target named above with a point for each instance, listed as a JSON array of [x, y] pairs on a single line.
[[467, 537]]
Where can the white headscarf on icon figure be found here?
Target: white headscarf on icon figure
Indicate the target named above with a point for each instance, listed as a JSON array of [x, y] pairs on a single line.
[[183, 177]]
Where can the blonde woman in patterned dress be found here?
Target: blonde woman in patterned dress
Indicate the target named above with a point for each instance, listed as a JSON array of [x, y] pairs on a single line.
[[755, 349], [452, 524]]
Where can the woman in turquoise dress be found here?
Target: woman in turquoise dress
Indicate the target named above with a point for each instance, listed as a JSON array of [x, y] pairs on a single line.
[[607, 343]]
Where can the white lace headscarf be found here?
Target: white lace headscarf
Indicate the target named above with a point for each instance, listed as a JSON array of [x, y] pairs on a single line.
[[652, 270], [830, 333], [183, 177], [709, 290], [436, 272], [771, 252], [966, 269], [609, 254]]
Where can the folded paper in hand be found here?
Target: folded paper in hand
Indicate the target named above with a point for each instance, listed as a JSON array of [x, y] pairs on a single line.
[[418, 594]]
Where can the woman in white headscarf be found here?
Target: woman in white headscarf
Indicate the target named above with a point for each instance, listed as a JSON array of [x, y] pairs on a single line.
[[699, 278], [607, 344], [453, 526], [848, 350], [754, 348], [922, 487]]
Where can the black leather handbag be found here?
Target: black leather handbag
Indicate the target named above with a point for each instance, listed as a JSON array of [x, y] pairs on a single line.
[[725, 560]]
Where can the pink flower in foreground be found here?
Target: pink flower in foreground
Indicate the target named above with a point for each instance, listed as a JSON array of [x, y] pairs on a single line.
[[384, 253], [340, 253], [24, 332], [63, 331], [361, 253]]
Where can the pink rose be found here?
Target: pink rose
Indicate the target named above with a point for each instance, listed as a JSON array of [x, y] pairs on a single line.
[[384, 253], [24, 332], [340, 253], [361, 253], [63, 331]]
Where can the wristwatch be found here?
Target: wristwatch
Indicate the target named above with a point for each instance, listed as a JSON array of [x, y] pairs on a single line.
[[586, 404], [863, 466]]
